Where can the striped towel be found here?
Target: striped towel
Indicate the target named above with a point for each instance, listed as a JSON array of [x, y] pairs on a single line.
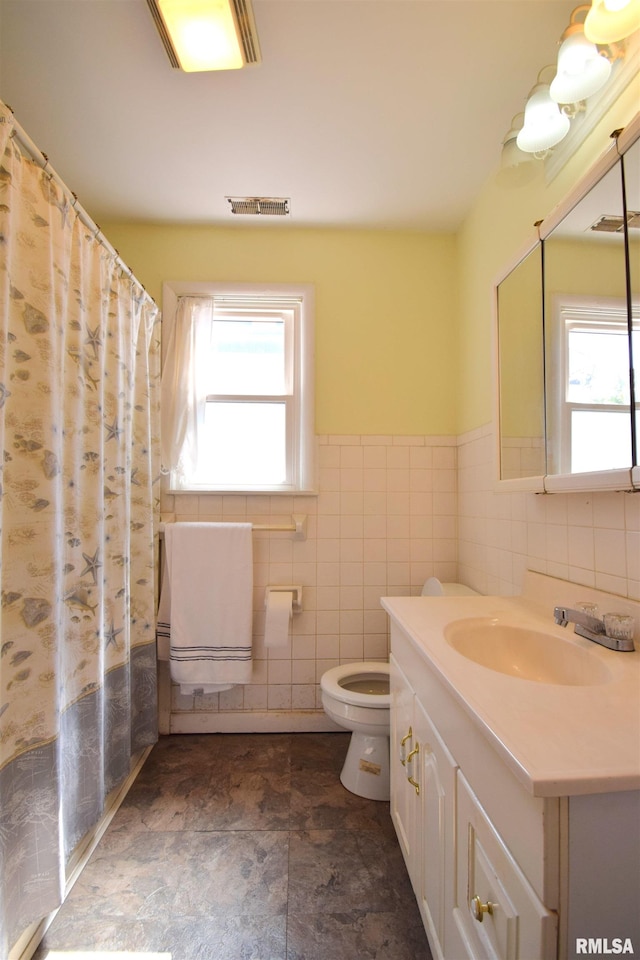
[[210, 567]]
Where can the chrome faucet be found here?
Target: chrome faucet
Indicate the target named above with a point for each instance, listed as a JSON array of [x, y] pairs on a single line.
[[593, 628]]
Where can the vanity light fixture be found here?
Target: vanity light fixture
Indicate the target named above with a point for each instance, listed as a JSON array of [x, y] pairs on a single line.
[[201, 35], [586, 61], [582, 68], [545, 124], [611, 20], [516, 166]]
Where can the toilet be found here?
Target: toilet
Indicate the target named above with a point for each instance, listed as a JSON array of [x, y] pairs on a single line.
[[357, 697]]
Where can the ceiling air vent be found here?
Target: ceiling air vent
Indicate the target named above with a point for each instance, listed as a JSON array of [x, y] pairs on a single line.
[[260, 206], [615, 223]]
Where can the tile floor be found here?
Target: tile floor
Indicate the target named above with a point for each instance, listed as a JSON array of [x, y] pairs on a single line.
[[244, 847]]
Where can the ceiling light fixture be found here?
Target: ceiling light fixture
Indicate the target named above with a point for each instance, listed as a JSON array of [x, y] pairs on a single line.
[[545, 124], [611, 20], [203, 35], [582, 68]]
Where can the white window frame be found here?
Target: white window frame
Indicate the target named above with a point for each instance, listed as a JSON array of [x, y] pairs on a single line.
[[298, 301], [570, 312]]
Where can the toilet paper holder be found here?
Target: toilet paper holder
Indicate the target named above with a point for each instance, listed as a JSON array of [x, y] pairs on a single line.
[[296, 590]]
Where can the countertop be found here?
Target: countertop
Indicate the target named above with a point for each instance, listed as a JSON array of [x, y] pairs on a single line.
[[558, 740]]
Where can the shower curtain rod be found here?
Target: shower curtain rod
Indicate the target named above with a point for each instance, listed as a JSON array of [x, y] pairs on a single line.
[[30, 150]]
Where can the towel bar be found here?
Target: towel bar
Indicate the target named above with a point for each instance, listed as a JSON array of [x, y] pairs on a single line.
[[298, 526]]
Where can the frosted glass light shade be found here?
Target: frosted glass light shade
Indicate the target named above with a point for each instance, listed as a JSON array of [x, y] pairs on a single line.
[[544, 124], [582, 71], [203, 33], [516, 167], [611, 20]]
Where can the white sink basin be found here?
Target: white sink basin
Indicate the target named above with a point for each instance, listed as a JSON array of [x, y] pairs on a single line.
[[528, 654]]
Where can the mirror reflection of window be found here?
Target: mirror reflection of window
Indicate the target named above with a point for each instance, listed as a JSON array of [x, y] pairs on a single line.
[[586, 335], [595, 412]]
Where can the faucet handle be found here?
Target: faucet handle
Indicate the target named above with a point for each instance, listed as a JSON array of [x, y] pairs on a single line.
[[619, 626], [586, 606]]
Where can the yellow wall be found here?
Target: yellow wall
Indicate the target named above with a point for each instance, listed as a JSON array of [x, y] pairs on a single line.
[[498, 228], [404, 321], [386, 342]]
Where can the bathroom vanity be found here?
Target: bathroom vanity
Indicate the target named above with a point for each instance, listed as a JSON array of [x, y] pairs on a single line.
[[515, 774]]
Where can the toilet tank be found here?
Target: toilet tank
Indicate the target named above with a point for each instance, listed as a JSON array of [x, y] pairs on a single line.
[[434, 588]]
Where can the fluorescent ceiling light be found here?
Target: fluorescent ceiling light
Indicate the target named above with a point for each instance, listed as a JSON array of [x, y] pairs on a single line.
[[204, 35]]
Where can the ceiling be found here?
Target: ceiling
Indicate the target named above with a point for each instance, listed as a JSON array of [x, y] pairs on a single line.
[[365, 113]]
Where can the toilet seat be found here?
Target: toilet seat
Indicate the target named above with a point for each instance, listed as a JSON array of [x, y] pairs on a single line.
[[333, 683]]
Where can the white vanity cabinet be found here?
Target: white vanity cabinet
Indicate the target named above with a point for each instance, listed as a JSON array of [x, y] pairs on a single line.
[[457, 860], [422, 789], [516, 803], [405, 808], [497, 912]]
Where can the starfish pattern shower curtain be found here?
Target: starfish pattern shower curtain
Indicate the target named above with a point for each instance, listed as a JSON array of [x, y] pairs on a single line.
[[79, 387]]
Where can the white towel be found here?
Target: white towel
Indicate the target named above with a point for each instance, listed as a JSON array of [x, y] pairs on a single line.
[[210, 567], [163, 618], [163, 635]]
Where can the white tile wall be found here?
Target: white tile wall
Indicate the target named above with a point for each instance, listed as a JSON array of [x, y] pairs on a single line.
[[392, 511], [593, 539], [383, 521]]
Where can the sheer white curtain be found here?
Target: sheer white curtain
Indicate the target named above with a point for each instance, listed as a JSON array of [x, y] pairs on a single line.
[[185, 384]]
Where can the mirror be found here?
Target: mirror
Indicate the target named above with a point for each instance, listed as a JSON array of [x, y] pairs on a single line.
[[521, 370], [568, 339], [631, 169], [586, 335]]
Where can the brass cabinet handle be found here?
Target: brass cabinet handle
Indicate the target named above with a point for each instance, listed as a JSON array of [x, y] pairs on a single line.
[[414, 752], [408, 736], [478, 908]]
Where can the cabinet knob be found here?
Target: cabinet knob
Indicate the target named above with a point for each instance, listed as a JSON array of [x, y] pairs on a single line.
[[414, 784], [478, 908]]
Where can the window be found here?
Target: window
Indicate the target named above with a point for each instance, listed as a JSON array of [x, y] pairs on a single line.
[[590, 422], [237, 388]]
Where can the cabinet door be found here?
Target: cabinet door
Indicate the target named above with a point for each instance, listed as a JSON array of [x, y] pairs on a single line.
[[437, 788], [497, 910], [405, 802]]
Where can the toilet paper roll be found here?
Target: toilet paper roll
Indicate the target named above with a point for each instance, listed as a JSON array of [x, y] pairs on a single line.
[[279, 609]]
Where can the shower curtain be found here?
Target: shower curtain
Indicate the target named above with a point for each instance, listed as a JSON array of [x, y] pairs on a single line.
[[79, 387]]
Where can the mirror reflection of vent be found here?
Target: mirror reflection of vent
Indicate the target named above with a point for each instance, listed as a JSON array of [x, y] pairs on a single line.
[[615, 224], [260, 206]]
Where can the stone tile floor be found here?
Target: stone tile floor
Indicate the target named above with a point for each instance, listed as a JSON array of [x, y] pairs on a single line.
[[243, 847]]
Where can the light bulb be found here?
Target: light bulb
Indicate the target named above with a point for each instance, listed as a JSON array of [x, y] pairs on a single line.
[[609, 21], [544, 124], [582, 71]]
